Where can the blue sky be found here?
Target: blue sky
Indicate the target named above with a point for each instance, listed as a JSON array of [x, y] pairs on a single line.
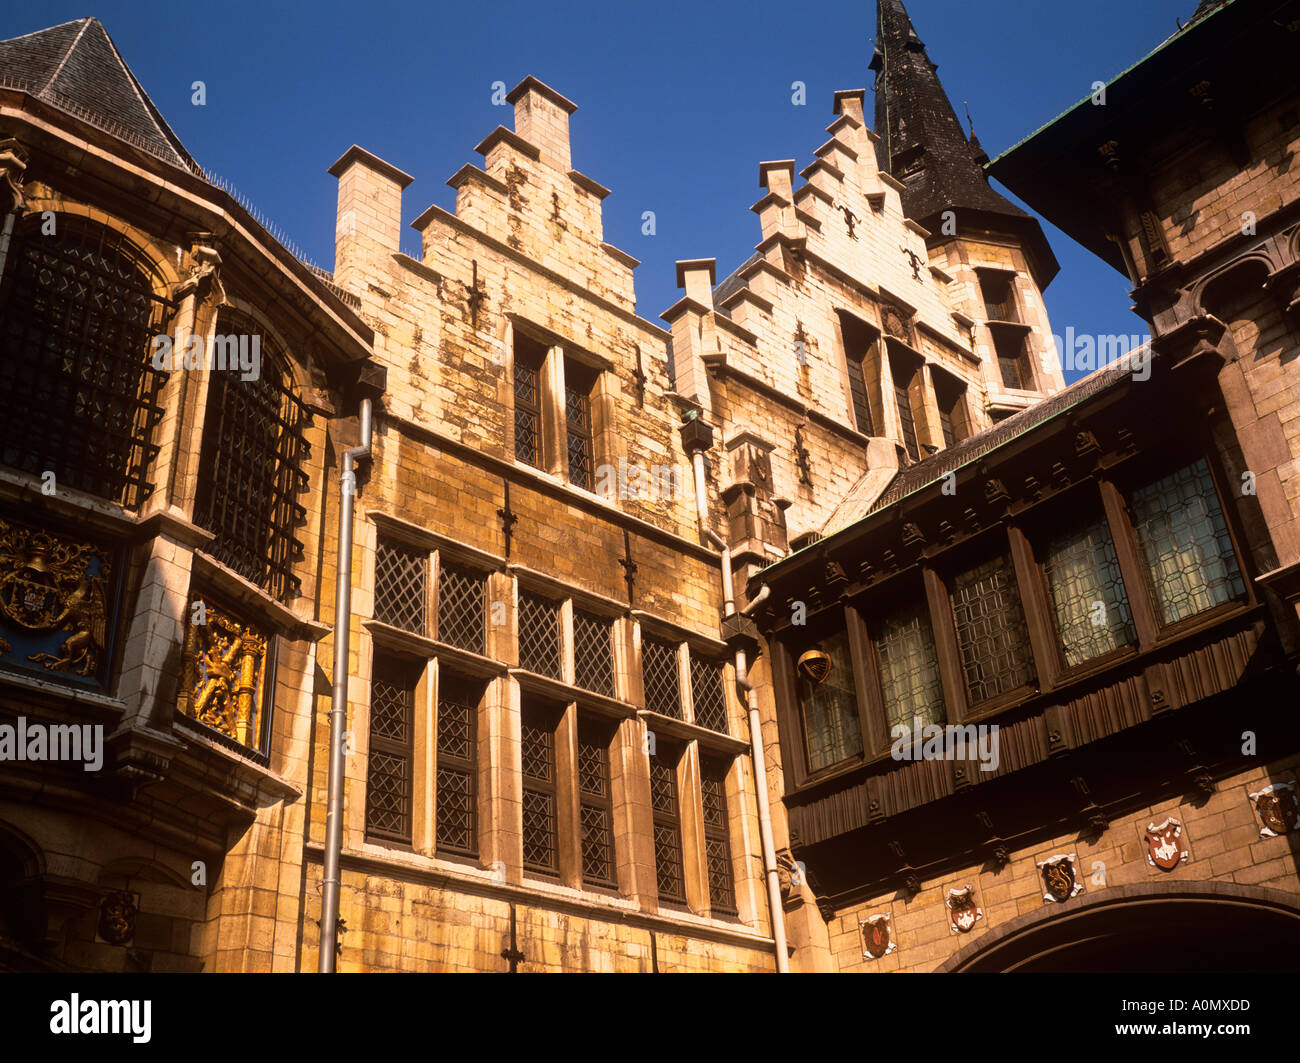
[[677, 102]]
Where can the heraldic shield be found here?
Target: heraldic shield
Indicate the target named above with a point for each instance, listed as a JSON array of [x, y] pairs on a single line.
[[1164, 844], [1059, 878]]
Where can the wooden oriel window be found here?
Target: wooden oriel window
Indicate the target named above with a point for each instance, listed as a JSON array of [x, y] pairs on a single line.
[[717, 836], [457, 826], [991, 630], [1089, 601], [595, 804], [1184, 538], [540, 796], [578, 384], [828, 702], [667, 824], [390, 786], [909, 666], [529, 356]]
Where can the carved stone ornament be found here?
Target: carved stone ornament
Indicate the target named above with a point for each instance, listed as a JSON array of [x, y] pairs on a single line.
[[877, 936], [1278, 809], [1060, 880], [1166, 844], [963, 912], [224, 663], [49, 584], [13, 167], [117, 914], [204, 279]]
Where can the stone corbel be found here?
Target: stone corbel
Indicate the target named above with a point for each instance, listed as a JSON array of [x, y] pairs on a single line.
[[13, 168], [1284, 283], [1192, 345], [204, 279]]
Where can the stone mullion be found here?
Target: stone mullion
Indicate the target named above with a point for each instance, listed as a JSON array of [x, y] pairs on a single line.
[[568, 815], [690, 817], [554, 444]]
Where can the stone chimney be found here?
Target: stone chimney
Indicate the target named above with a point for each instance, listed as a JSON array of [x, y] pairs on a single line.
[[542, 119], [369, 223]]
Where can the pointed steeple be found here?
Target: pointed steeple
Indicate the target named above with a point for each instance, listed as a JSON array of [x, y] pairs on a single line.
[[924, 146], [77, 68]]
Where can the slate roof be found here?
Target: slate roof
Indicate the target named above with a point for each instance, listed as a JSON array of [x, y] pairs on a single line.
[[77, 68]]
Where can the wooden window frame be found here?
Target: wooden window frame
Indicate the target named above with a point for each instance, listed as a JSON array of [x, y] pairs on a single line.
[[529, 356], [594, 732], [715, 770], [385, 664], [467, 766], [544, 718], [674, 756]]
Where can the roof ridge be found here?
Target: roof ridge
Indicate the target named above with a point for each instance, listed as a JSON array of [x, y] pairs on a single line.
[[67, 52]]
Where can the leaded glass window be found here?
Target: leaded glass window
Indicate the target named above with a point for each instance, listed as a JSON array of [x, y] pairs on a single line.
[[707, 695], [717, 836], [1088, 597], [254, 462], [659, 673], [595, 806], [400, 574], [991, 630], [79, 395], [389, 774], [541, 819], [578, 382], [457, 765], [461, 606], [529, 355], [593, 652], [667, 826], [831, 726], [903, 373], [1185, 542], [539, 635], [909, 668]]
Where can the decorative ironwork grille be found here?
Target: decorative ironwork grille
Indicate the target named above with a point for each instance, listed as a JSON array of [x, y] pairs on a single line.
[[1190, 561], [593, 653], [660, 677], [457, 767], [909, 668], [707, 695], [1088, 596], [528, 400], [389, 788], [991, 629], [539, 635], [537, 747], [717, 836], [667, 828], [577, 423], [831, 725], [400, 581], [462, 607], [595, 807], [79, 395], [254, 457]]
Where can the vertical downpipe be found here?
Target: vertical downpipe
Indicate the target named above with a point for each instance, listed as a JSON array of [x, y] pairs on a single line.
[[329, 908]]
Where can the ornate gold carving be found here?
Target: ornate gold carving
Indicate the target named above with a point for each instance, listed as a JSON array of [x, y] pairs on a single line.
[[50, 583], [13, 166], [224, 666]]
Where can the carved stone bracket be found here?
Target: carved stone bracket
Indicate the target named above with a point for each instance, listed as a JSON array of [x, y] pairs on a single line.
[[204, 278], [13, 168]]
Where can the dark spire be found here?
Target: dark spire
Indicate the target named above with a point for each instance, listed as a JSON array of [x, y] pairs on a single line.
[[924, 146], [77, 68]]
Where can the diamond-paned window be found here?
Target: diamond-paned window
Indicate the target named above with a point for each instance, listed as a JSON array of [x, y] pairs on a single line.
[[389, 782], [537, 749], [400, 581], [462, 595], [659, 675], [1184, 537], [539, 635], [1088, 596], [79, 395], [991, 630], [578, 382], [595, 806], [909, 668], [254, 462], [529, 355], [593, 652], [717, 837], [457, 765], [707, 693], [667, 827]]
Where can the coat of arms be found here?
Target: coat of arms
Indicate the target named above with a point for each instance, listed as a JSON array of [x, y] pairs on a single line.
[[117, 918], [1165, 844], [1059, 878], [877, 936], [1278, 808], [963, 912]]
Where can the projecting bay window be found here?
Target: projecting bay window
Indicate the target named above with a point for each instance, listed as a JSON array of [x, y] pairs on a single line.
[[595, 805], [390, 772], [1088, 598], [717, 836], [456, 826], [909, 667], [1190, 563], [828, 703], [529, 357], [666, 810], [541, 837], [993, 637]]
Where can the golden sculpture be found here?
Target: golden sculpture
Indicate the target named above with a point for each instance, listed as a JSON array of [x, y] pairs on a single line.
[[50, 583], [224, 665]]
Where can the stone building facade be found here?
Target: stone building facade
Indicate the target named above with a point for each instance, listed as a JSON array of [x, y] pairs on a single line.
[[548, 757]]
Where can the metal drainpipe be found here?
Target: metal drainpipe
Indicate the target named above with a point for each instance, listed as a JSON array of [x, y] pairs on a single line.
[[773, 878], [329, 906]]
